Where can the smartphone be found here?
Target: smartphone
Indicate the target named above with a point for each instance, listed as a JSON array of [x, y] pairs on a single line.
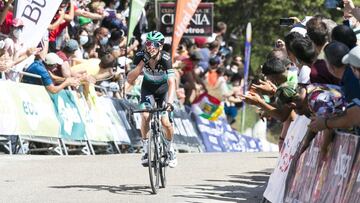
[[286, 22], [346, 22]]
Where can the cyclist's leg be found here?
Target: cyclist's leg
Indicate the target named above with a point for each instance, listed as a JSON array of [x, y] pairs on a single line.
[[145, 119]]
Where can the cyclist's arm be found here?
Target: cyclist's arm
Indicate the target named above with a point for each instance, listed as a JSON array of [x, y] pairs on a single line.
[[171, 85], [133, 74]]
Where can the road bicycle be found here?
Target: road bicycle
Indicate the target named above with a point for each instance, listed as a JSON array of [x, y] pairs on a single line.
[[157, 153]]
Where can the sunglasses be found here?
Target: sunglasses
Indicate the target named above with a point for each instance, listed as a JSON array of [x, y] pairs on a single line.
[[151, 43]]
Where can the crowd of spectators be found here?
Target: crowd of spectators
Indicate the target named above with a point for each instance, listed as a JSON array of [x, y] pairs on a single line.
[[313, 72], [86, 44]]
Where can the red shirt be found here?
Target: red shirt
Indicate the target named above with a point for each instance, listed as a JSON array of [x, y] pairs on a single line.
[[57, 31], [5, 27], [320, 74]]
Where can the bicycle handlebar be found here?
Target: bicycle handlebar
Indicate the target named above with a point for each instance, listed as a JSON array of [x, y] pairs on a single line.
[[148, 110]]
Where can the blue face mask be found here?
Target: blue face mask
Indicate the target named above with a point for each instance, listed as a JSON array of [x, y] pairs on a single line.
[[83, 39], [104, 41]]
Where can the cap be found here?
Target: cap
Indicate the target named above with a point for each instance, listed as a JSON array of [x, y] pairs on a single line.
[[17, 22], [334, 52], [71, 45], [52, 59], [353, 57], [84, 21], [200, 41]]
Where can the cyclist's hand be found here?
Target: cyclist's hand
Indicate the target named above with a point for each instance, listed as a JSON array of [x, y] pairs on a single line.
[[146, 58], [169, 107]]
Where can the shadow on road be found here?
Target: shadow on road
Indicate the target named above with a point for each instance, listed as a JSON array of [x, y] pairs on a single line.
[[121, 189], [237, 188]]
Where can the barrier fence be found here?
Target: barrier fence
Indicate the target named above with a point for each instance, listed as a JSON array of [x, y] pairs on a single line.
[[327, 171], [70, 118]]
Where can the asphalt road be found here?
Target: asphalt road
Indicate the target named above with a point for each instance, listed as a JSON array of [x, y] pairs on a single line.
[[221, 177]]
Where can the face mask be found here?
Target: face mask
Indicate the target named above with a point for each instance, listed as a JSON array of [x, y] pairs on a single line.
[[104, 41], [83, 39], [16, 33]]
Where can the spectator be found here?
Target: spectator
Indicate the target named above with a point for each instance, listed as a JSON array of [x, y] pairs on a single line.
[[334, 53], [66, 54], [344, 34], [40, 68]]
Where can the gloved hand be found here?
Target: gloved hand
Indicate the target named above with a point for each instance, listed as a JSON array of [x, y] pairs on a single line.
[[146, 58]]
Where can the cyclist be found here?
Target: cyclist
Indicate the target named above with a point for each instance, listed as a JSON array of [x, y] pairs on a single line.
[[159, 81]]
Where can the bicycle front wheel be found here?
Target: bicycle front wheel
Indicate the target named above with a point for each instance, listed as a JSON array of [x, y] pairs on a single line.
[[154, 163]]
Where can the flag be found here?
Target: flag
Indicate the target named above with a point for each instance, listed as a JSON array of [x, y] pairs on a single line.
[[207, 107], [136, 8], [246, 69], [185, 9], [247, 55], [37, 16]]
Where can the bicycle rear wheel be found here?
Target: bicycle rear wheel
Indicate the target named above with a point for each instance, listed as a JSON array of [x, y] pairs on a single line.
[[153, 161], [163, 159]]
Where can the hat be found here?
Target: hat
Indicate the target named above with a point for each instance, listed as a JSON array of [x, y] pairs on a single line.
[[84, 21], [52, 59], [334, 52], [71, 45], [353, 57], [17, 22], [200, 41]]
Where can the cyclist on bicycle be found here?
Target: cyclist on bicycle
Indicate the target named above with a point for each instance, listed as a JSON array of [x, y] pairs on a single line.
[[159, 81]]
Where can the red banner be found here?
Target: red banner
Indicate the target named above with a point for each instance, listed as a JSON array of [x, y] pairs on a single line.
[[185, 9]]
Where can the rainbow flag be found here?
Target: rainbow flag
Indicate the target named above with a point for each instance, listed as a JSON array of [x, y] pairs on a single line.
[[208, 107]]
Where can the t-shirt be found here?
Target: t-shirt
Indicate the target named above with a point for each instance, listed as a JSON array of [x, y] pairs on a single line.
[[38, 68], [350, 85], [162, 71], [57, 31], [204, 62], [91, 66], [320, 74], [304, 75], [5, 27]]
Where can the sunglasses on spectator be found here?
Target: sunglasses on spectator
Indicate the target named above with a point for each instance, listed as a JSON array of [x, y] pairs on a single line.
[[151, 43]]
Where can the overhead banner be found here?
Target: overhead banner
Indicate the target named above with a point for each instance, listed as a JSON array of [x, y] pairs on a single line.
[[72, 125], [185, 9], [26, 110], [136, 7], [37, 16], [201, 23]]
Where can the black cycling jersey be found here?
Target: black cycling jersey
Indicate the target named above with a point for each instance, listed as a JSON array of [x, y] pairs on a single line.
[[162, 71]]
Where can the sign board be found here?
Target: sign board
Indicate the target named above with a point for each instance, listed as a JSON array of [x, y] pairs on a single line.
[[201, 23]]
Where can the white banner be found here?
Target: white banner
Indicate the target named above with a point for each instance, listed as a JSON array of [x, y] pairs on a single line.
[[37, 16], [276, 186]]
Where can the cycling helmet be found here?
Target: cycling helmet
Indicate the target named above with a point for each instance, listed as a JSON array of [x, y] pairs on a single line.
[[155, 36]]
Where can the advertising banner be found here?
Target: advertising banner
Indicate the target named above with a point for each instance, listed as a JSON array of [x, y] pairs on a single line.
[[276, 185], [26, 110], [184, 11], [37, 16], [217, 136], [109, 116], [201, 23], [72, 126]]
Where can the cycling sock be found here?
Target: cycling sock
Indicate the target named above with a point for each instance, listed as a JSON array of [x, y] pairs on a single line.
[[167, 144], [145, 144]]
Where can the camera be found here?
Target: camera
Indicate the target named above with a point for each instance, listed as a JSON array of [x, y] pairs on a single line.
[[286, 22]]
